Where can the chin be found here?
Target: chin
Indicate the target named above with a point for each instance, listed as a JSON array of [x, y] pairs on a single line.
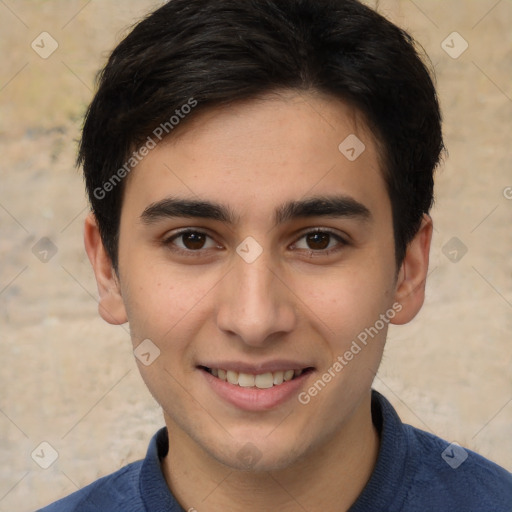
[[257, 456]]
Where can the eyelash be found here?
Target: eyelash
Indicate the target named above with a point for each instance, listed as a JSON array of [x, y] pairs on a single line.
[[168, 242]]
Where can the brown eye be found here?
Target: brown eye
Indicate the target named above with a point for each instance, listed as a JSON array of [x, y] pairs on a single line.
[[190, 241], [318, 241], [193, 241]]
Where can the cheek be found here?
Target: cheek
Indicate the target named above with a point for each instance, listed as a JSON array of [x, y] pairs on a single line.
[[345, 302], [162, 304]]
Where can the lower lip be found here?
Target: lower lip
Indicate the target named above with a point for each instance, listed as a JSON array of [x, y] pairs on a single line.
[[255, 399]]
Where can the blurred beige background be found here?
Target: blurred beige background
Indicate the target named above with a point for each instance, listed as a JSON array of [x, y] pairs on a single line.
[[70, 380]]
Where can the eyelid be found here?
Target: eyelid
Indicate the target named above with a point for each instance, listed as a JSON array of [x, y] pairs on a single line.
[[184, 231], [169, 239], [343, 242], [341, 237]]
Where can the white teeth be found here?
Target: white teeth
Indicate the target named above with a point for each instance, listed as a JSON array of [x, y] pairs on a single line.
[[264, 381], [232, 377], [261, 381], [288, 375], [278, 378], [246, 380]]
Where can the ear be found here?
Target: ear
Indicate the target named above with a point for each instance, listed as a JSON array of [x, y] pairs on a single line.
[[410, 286], [111, 305]]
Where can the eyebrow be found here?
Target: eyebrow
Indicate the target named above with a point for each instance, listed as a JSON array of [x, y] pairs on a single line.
[[323, 206]]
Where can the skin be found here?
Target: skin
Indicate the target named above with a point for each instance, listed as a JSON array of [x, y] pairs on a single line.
[[296, 301]]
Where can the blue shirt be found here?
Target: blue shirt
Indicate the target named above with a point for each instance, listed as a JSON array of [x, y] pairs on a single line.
[[415, 472]]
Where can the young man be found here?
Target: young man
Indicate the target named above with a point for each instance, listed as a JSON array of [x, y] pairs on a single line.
[[260, 174]]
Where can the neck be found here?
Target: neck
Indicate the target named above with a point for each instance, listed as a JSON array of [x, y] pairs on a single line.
[[330, 477]]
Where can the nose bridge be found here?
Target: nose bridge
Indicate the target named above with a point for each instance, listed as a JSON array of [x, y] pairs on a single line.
[[254, 304]]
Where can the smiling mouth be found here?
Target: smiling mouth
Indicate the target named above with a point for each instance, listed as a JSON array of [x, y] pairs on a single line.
[[261, 381]]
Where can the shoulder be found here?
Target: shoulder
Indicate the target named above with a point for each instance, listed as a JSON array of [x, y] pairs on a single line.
[[459, 479], [116, 492], [417, 471]]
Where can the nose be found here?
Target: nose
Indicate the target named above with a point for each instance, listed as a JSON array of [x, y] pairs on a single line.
[[255, 303]]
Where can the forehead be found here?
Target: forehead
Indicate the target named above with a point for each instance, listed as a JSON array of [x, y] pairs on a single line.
[[258, 154]]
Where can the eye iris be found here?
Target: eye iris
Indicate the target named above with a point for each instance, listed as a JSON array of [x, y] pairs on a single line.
[[318, 241], [194, 241]]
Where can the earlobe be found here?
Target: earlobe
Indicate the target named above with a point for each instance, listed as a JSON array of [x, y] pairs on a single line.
[[111, 305], [410, 286]]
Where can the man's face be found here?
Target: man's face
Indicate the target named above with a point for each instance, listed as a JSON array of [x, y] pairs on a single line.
[[261, 277]]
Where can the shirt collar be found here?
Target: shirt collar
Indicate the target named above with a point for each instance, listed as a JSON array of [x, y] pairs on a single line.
[[386, 486], [153, 488], [386, 490]]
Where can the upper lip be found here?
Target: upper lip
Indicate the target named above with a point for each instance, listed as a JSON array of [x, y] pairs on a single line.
[[256, 368]]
